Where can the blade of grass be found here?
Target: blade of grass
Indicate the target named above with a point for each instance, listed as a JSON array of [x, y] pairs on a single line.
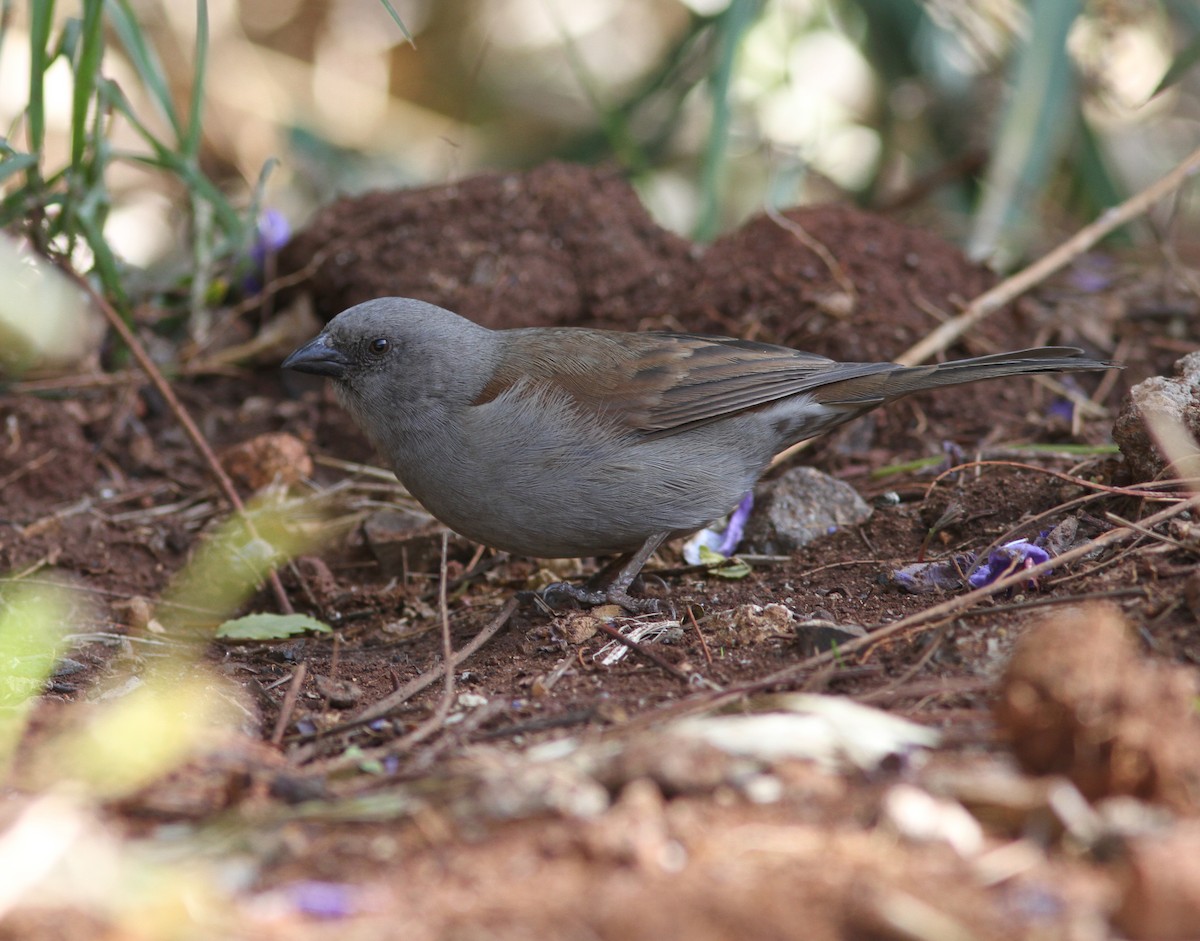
[[731, 27], [145, 62], [164, 158], [39, 39], [12, 164], [1041, 109], [387, 5], [87, 67], [190, 145]]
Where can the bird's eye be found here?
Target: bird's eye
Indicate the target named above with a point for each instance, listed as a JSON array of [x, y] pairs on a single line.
[[380, 345]]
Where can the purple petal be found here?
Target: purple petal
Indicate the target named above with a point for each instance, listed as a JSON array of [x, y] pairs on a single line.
[[1009, 558], [922, 578], [737, 526], [323, 899], [273, 234]]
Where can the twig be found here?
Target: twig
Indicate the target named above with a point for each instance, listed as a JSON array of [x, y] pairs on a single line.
[[28, 467], [438, 719], [953, 606], [185, 420], [992, 300], [288, 706], [651, 655], [838, 273], [700, 634], [889, 688], [408, 690]]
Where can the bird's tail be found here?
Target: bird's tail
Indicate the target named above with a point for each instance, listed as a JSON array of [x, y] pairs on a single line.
[[904, 380]]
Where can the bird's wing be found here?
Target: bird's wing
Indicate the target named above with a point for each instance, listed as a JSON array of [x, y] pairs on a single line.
[[658, 384]]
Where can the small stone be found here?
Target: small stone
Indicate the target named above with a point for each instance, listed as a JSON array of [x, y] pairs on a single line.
[[341, 693], [814, 637], [1175, 399], [802, 505], [578, 627], [268, 458]]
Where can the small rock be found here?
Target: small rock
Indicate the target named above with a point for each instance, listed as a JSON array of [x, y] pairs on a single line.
[[1176, 399], [342, 694], [578, 627], [818, 636], [266, 458], [802, 505], [404, 541]]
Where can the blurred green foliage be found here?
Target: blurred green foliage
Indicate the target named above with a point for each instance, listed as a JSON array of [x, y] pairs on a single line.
[[62, 210], [997, 115]]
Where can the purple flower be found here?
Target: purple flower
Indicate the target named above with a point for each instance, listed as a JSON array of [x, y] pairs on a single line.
[[737, 525], [1061, 408], [273, 234], [1010, 557], [323, 899], [1091, 273]]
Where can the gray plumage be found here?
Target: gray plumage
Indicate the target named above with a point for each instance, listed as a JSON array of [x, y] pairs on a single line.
[[557, 442]]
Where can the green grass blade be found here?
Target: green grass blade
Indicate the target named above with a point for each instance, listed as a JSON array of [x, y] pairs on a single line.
[[39, 61], [387, 5], [1042, 109], [731, 27], [87, 67], [145, 62], [190, 145], [14, 163], [164, 158]]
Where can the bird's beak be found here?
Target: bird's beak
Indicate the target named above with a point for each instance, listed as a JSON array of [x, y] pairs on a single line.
[[319, 357]]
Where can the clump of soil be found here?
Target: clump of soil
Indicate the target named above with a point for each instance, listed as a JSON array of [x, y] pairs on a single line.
[[1078, 700], [835, 280], [560, 244]]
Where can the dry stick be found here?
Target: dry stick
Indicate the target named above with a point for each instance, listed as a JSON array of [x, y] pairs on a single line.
[[651, 655], [708, 657], [414, 686], [990, 301], [438, 719], [1010, 288], [185, 420], [289, 703]]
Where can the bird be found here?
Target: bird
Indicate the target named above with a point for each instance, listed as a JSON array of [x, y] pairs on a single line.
[[570, 442]]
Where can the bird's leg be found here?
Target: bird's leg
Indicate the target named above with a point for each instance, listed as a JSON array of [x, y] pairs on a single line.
[[611, 584]]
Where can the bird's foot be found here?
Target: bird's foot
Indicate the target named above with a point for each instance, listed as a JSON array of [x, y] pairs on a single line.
[[562, 594]]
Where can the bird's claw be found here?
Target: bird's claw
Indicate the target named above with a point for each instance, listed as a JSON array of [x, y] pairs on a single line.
[[564, 594]]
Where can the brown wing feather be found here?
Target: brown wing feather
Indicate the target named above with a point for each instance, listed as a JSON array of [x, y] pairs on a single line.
[[656, 383]]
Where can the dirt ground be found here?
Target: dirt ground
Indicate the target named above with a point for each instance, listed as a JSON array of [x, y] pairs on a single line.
[[552, 793]]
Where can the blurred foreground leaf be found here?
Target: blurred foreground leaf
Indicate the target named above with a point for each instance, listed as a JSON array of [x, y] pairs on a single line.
[[270, 627]]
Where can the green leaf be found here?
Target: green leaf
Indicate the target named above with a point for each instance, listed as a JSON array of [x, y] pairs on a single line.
[[270, 627], [15, 163], [722, 566], [39, 60], [144, 60], [190, 145], [87, 67]]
